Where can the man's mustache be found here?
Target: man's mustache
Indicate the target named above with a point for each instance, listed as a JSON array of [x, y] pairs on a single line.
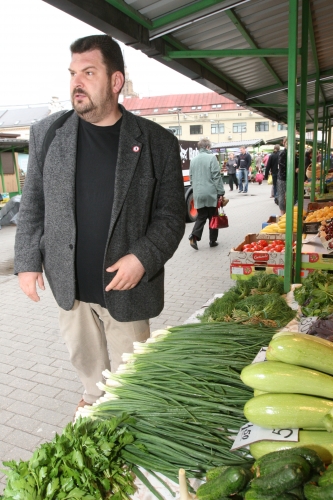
[[79, 91]]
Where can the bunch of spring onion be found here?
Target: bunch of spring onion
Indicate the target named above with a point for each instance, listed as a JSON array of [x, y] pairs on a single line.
[[183, 388]]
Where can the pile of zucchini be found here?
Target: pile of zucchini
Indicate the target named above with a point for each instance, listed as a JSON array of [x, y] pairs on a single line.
[[293, 389], [297, 473]]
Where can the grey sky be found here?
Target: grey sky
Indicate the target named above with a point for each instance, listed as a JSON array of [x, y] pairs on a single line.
[[35, 39]]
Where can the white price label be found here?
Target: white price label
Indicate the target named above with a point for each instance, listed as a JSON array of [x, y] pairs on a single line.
[[251, 433], [261, 356]]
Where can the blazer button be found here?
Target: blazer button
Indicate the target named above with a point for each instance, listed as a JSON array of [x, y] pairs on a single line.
[[71, 246]]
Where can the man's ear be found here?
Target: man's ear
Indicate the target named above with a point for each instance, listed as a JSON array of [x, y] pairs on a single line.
[[117, 82]]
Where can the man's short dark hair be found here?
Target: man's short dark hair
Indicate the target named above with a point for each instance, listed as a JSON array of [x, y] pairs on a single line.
[[110, 50]]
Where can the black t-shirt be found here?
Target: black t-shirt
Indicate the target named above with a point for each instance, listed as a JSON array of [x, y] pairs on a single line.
[[97, 151]]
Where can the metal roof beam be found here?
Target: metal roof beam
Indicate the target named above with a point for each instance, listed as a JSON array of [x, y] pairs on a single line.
[[184, 16], [314, 50], [193, 54], [241, 28], [325, 75]]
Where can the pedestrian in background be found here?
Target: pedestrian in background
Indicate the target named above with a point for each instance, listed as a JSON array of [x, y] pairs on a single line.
[[272, 169], [100, 215], [208, 187], [231, 166], [244, 164]]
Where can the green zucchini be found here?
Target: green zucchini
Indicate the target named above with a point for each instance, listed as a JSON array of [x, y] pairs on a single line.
[[256, 392], [217, 471], [298, 492], [288, 411], [319, 441], [303, 350], [281, 481], [313, 492], [278, 377], [231, 481]]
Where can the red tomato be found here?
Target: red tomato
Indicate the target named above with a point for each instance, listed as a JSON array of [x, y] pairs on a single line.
[[247, 245], [279, 248], [279, 242], [263, 243], [247, 250]]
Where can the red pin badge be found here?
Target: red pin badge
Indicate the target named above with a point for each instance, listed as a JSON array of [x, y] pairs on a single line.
[[136, 149]]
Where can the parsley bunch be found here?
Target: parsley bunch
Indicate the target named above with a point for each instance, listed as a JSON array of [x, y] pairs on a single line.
[[83, 463]]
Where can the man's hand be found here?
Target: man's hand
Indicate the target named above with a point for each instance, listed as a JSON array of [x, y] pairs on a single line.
[[129, 273], [27, 283]]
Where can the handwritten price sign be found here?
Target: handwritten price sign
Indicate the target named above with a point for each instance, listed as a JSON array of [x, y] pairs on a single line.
[[251, 433], [261, 356]]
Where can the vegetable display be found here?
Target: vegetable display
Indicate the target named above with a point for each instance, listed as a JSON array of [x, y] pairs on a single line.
[[85, 462], [315, 296], [296, 473], [256, 301], [184, 390]]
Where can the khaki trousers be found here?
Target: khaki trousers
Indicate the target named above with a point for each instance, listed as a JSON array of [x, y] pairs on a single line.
[[89, 332]]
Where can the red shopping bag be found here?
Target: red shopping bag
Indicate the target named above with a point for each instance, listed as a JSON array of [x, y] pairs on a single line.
[[219, 220], [259, 177]]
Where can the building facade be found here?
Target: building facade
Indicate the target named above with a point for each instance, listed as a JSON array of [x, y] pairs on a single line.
[[194, 116]]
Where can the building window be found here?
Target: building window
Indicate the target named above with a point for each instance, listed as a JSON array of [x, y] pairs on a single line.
[[198, 107], [176, 130], [213, 105], [217, 128], [195, 129], [282, 126], [239, 114], [218, 105], [155, 110], [194, 107], [239, 128], [262, 126]]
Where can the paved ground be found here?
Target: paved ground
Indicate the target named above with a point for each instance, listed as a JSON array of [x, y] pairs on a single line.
[[38, 388]]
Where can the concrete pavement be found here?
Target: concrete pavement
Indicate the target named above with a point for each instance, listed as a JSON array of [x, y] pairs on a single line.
[[39, 389]]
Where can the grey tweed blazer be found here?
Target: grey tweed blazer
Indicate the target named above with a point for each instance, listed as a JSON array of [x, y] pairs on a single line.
[[148, 215]]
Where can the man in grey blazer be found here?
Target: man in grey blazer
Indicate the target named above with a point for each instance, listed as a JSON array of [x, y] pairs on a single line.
[[100, 215]]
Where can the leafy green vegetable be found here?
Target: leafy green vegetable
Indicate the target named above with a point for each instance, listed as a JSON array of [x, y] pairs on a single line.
[[315, 296], [85, 463], [256, 301]]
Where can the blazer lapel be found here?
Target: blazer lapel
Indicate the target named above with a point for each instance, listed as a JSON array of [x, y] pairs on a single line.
[[129, 152]]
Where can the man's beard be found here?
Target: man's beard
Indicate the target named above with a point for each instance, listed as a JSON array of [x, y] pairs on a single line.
[[91, 111]]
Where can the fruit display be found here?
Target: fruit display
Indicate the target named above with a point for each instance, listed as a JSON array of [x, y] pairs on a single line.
[[280, 226], [322, 214]]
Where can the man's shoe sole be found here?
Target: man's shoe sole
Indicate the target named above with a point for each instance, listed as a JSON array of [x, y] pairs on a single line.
[[213, 244]]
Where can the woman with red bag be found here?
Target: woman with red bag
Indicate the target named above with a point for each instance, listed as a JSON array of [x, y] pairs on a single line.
[[208, 188]]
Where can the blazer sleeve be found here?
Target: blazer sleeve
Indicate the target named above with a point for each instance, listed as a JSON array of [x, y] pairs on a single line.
[[167, 225], [30, 226]]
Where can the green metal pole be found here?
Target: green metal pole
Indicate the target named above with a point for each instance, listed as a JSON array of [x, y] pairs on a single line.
[[2, 176], [329, 139], [314, 145], [302, 130], [321, 189], [292, 79], [16, 172]]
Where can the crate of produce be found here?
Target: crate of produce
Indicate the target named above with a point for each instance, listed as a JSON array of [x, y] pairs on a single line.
[[316, 205], [255, 250], [243, 272]]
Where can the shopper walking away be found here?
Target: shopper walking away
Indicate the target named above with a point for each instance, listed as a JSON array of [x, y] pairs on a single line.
[[273, 169], [101, 214], [244, 164], [208, 187], [282, 178], [231, 165]]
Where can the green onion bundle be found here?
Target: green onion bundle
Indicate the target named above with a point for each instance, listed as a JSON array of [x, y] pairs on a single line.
[[184, 391]]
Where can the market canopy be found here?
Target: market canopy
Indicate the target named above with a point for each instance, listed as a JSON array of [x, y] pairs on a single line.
[[238, 144], [15, 145], [238, 48]]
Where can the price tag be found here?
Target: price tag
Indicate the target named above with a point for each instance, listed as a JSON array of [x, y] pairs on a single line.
[[251, 433], [261, 356]]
